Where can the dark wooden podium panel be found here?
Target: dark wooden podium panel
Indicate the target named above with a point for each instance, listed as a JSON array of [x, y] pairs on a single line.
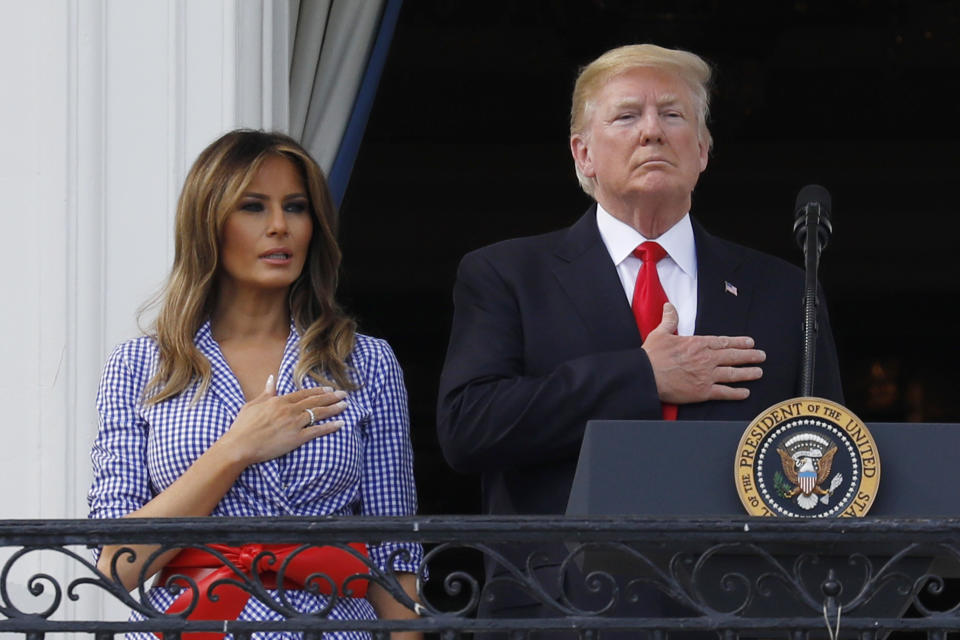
[[686, 468]]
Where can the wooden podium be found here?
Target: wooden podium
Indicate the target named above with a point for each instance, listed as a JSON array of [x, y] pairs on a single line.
[[685, 469]]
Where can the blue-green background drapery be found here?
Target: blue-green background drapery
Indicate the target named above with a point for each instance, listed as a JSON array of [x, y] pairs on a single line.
[[337, 55], [353, 135]]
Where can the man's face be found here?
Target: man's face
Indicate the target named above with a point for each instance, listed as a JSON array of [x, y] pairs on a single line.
[[641, 138]]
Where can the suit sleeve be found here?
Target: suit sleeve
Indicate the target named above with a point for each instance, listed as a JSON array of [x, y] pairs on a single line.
[[492, 413]]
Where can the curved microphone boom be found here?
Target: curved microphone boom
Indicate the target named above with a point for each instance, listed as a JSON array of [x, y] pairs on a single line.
[[812, 228]]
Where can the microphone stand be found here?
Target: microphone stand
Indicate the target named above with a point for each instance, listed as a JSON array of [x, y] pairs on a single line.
[[811, 252]]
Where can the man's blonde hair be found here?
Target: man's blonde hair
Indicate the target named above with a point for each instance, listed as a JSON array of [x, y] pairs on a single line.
[[689, 67]]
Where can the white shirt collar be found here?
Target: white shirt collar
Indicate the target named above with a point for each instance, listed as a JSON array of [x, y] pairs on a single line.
[[621, 239]]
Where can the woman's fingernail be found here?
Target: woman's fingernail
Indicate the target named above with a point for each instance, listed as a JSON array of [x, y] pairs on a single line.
[[340, 393], [269, 386], [326, 389], [342, 404], [336, 424]]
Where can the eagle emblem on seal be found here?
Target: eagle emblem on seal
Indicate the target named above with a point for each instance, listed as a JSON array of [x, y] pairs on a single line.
[[806, 459]]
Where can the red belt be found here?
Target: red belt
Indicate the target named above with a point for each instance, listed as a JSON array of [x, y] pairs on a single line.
[[205, 569]]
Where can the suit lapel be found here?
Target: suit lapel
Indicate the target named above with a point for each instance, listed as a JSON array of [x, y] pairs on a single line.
[[588, 276], [724, 294]]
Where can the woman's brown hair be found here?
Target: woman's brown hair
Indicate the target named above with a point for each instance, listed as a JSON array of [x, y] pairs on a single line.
[[211, 191]]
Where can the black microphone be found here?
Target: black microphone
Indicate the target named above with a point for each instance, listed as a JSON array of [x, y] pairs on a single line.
[[812, 208], [812, 228]]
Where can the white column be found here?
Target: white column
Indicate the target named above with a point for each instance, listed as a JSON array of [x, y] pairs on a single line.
[[105, 104], [263, 64], [37, 431]]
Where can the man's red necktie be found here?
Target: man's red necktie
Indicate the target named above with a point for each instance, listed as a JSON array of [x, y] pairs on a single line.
[[649, 298]]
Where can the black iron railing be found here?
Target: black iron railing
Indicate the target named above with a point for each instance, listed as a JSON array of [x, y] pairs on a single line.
[[735, 577]]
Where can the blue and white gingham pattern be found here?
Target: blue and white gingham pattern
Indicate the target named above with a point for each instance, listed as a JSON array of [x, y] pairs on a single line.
[[365, 468]]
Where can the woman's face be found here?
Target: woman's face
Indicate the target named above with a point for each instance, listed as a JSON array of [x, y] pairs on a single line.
[[266, 237]]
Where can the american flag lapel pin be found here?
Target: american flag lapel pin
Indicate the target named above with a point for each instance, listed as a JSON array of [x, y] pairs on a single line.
[[729, 288]]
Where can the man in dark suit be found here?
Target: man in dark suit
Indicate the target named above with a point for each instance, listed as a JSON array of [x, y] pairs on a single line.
[[548, 331]]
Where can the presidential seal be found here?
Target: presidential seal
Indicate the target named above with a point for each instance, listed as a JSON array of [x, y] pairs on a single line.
[[807, 458]]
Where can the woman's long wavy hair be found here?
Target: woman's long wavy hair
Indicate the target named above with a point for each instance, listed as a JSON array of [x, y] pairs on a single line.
[[210, 194]]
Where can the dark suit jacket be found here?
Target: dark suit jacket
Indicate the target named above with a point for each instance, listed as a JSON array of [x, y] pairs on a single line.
[[544, 340]]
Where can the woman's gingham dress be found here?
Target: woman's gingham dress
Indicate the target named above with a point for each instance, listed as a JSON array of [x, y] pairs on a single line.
[[364, 468]]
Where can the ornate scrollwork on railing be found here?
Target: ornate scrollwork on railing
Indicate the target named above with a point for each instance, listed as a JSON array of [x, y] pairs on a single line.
[[808, 580], [37, 583], [733, 578]]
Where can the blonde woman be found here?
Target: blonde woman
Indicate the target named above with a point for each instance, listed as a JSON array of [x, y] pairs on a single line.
[[253, 396]]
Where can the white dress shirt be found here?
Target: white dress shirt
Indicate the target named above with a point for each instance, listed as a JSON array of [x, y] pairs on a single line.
[[677, 271]]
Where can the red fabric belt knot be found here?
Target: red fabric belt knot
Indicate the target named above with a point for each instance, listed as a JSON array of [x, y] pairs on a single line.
[[205, 569], [248, 553]]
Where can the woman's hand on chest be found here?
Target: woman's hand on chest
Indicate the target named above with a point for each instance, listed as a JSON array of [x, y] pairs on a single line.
[[270, 426]]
